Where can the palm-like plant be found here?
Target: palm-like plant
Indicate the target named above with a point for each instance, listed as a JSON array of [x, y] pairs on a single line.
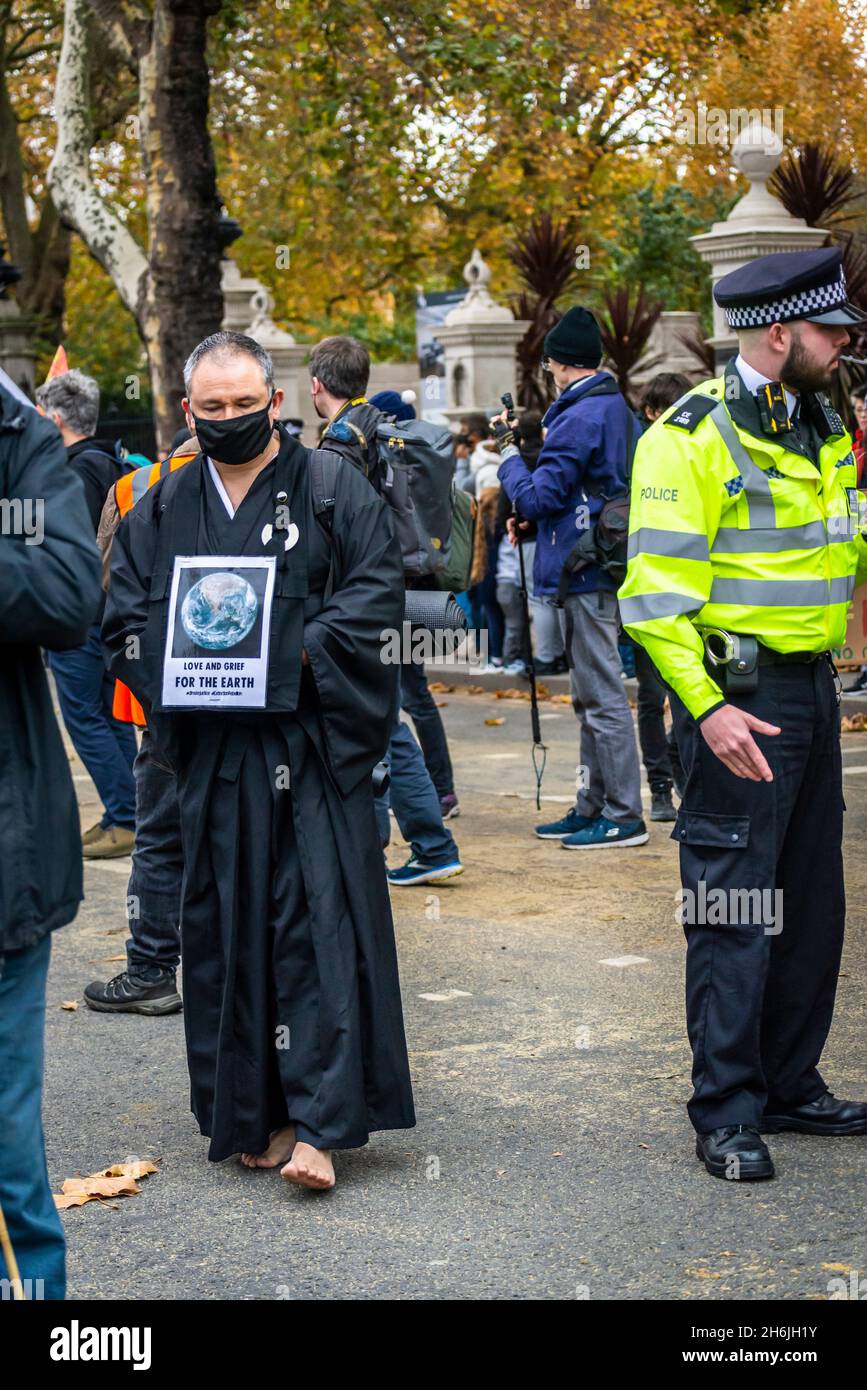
[[701, 349], [544, 256], [626, 328], [812, 183]]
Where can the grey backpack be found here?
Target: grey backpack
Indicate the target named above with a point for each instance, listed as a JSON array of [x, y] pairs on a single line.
[[417, 465]]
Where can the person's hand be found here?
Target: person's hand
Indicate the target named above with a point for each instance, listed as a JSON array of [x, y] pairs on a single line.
[[512, 529], [727, 732], [305, 659], [503, 430]]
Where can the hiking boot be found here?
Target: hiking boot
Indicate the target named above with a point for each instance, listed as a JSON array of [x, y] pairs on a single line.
[[608, 834], [152, 990], [559, 829], [661, 804], [113, 842], [414, 871]]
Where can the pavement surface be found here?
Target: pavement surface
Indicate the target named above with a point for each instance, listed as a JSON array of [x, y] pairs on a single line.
[[552, 1159]]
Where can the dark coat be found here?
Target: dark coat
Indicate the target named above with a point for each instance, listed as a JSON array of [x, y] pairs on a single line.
[[49, 594], [583, 457]]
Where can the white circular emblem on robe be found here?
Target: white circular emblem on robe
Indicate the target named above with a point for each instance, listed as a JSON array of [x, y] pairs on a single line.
[[291, 536]]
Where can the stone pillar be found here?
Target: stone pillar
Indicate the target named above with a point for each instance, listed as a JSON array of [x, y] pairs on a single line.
[[16, 346], [665, 351], [758, 225], [238, 291], [287, 355], [479, 337]]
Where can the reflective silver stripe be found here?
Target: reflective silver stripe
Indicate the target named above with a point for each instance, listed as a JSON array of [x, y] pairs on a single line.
[[681, 545], [641, 607], [756, 483], [782, 593], [731, 540], [140, 483], [842, 588]]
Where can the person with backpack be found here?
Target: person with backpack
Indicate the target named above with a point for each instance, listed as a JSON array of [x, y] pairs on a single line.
[[415, 697], [105, 745], [582, 468], [339, 372], [247, 596]]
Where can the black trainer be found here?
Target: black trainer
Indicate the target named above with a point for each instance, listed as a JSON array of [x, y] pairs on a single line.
[[661, 804], [152, 991]]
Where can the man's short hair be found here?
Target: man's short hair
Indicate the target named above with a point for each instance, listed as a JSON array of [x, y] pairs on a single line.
[[75, 398], [228, 344], [343, 367], [476, 424], [663, 390]]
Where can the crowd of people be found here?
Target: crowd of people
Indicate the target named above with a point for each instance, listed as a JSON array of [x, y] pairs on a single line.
[[214, 623]]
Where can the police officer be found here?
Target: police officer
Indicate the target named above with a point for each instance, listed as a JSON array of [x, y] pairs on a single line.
[[745, 547]]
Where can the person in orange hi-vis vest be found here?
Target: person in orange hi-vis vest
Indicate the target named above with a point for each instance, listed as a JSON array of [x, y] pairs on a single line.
[[148, 984]]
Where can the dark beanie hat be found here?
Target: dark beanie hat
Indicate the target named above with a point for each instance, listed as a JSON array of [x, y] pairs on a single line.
[[575, 340], [390, 403]]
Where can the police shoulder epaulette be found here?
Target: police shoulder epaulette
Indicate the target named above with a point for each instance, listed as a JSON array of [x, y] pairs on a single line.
[[691, 412]]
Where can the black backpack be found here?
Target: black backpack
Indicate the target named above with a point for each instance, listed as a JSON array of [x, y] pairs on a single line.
[[605, 542]]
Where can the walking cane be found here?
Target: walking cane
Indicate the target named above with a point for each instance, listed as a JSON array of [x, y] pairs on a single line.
[[11, 1262], [540, 752]]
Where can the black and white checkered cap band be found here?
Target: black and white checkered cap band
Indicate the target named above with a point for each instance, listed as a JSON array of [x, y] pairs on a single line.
[[795, 306]]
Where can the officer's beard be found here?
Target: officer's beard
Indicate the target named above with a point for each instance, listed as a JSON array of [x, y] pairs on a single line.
[[801, 372]]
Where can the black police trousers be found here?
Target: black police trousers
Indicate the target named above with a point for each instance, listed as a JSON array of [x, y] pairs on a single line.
[[762, 901]]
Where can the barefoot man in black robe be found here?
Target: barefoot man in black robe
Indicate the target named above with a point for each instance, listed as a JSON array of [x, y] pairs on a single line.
[[247, 597]]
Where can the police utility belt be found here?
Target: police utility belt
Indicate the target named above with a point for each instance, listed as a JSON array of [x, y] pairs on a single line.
[[733, 660]]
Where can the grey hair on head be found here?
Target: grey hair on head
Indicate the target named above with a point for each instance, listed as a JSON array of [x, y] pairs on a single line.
[[228, 344], [74, 397]]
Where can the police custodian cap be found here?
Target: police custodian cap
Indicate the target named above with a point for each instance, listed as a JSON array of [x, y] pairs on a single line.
[[787, 286]]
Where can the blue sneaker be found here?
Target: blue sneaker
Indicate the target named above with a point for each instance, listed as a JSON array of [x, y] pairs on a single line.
[[604, 833], [413, 872], [559, 829]]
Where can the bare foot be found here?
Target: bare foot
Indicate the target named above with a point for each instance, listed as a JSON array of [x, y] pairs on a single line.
[[310, 1167], [280, 1148]]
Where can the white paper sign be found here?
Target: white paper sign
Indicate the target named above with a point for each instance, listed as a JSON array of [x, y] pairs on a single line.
[[219, 623]]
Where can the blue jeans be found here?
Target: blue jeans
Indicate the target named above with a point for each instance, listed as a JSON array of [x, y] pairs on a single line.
[[105, 745], [416, 804], [417, 701], [154, 894], [33, 1221]]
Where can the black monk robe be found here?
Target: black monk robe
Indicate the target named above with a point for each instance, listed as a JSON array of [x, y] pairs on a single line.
[[291, 994]]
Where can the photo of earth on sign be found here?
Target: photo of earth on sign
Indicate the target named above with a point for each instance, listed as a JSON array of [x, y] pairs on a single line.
[[219, 611]]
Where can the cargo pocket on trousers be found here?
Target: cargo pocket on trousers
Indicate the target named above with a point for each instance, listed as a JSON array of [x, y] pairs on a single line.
[[715, 890]]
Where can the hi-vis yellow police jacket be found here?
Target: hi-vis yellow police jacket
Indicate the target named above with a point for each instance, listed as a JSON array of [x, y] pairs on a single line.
[[732, 528]]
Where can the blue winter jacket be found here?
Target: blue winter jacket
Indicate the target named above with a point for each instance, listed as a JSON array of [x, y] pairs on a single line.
[[584, 449]]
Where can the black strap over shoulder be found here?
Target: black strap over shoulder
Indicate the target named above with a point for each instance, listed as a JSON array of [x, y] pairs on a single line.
[[324, 465]]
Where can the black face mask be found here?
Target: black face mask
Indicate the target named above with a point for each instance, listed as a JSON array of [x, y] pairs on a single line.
[[235, 441]]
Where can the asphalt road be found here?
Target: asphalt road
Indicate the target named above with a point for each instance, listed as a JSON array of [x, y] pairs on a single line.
[[552, 1158]]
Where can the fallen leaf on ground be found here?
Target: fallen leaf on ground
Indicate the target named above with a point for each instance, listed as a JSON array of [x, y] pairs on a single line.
[[561, 699], [134, 1168], [69, 1004], [440, 687], [117, 1181], [475, 690], [853, 723], [440, 704], [77, 1191], [495, 721]]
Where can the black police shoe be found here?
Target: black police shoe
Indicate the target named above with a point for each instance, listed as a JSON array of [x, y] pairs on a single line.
[[827, 1115], [150, 991], [736, 1152]]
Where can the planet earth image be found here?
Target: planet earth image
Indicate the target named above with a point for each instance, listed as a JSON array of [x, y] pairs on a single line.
[[219, 611]]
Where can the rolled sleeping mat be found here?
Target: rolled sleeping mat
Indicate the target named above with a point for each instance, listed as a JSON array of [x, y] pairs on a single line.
[[433, 609]]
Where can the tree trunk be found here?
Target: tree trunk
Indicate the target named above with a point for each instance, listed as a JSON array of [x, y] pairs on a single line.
[[173, 290], [182, 299]]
